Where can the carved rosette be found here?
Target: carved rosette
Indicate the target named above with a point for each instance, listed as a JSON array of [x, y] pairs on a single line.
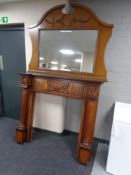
[[93, 91], [25, 81]]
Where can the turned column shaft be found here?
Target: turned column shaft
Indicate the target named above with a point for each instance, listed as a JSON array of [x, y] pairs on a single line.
[[30, 115], [88, 130], [24, 108], [85, 138], [27, 94], [21, 130], [89, 121]]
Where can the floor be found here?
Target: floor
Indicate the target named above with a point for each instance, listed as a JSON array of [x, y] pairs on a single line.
[[47, 154], [99, 165]]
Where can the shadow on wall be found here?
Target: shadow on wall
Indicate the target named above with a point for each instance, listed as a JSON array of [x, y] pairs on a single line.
[[72, 114], [108, 120]]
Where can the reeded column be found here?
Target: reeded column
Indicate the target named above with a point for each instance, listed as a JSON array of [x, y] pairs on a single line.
[[30, 115], [21, 130], [88, 116]]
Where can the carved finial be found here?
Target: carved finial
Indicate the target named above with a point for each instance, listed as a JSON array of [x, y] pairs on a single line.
[[67, 9]]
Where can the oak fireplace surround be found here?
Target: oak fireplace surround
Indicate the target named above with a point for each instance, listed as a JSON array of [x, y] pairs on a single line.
[[76, 81]]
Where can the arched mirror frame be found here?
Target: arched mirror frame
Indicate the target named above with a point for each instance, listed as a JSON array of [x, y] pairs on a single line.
[[83, 86], [82, 18]]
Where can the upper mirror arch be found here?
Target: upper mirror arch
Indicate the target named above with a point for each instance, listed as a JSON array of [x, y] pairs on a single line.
[[82, 18]]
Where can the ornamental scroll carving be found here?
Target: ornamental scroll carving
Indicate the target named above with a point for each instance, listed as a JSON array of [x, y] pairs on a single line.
[[58, 86], [64, 21]]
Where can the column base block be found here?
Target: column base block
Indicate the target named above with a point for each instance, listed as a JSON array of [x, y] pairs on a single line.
[[84, 155], [21, 135]]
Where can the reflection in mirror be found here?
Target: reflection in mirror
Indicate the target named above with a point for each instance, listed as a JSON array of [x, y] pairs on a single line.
[[67, 50]]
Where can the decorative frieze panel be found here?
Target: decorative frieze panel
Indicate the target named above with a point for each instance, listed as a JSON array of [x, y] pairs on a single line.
[[40, 84], [65, 87], [77, 89], [58, 86]]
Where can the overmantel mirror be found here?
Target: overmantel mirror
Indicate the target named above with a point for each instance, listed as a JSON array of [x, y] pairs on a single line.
[[67, 60], [67, 50]]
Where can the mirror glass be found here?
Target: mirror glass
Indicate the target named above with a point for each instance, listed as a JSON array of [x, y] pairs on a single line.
[[67, 50]]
